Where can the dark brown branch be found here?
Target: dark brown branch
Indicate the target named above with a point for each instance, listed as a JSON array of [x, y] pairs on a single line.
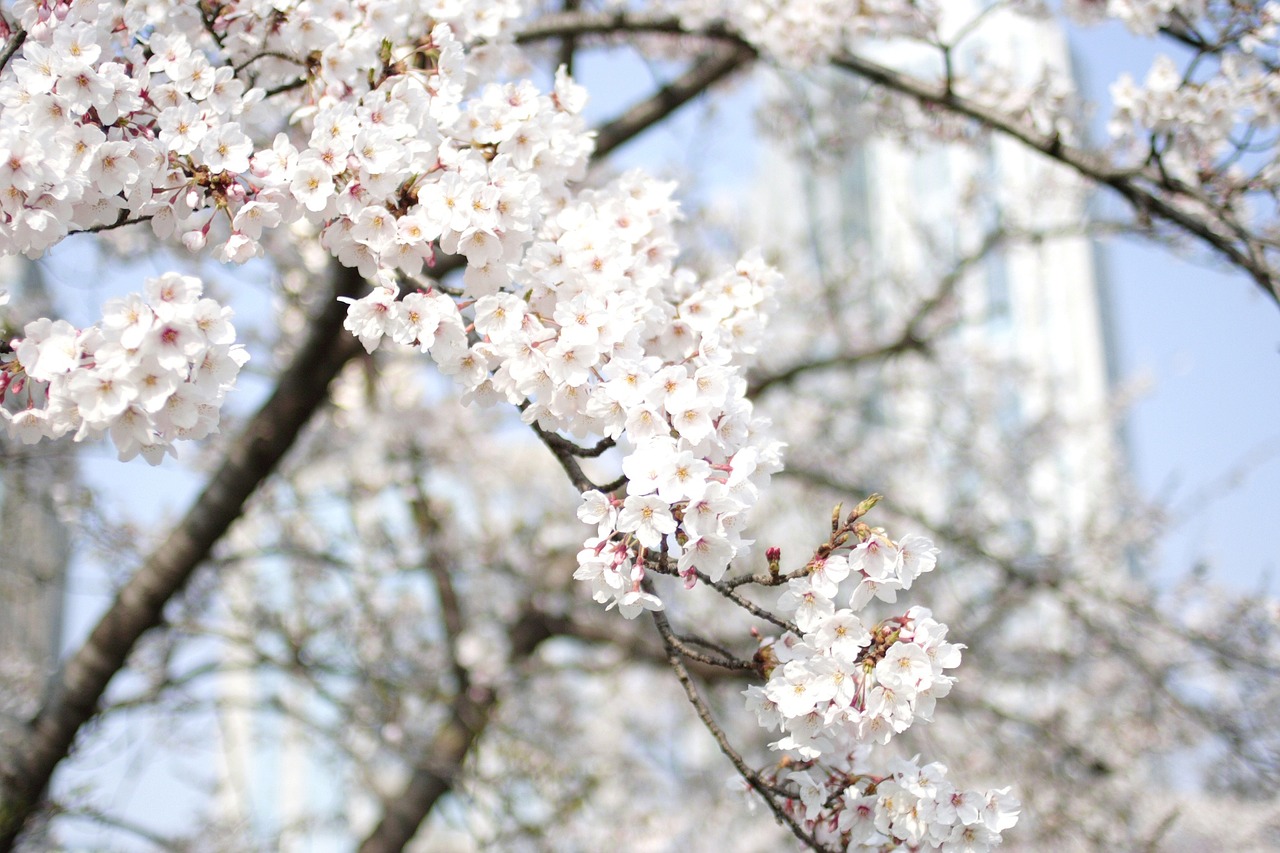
[[560, 443], [728, 590], [569, 44], [437, 564], [121, 221], [289, 86], [618, 23], [722, 658], [435, 775], [268, 54], [565, 457], [704, 74], [904, 343], [11, 46]]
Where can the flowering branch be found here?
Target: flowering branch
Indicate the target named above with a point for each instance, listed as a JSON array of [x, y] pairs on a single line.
[[25, 774], [1215, 225]]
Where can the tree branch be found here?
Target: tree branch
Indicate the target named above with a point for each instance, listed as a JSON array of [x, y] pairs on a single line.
[[1247, 256], [11, 46], [704, 74], [912, 338], [569, 44], [674, 655], [437, 771]]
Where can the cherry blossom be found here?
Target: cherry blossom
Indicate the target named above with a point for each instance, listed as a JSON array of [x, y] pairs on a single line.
[[155, 371]]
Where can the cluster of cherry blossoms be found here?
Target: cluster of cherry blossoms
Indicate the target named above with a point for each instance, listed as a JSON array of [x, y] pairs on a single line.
[[153, 371], [146, 125], [840, 684], [835, 687], [142, 113], [910, 807], [1197, 120], [603, 336]]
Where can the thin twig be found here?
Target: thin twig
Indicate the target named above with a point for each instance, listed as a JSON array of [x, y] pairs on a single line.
[[727, 590], [723, 659], [672, 645]]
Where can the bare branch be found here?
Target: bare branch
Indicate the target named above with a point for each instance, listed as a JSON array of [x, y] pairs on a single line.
[[674, 655], [569, 44], [438, 769], [913, 337], [704, 74], [729, 591], [560, 448], [437, 565], [435, 774]]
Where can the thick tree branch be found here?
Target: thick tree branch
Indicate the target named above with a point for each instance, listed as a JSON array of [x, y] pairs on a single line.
[[11, 46], [438, 566], [569, 45], [435, 774], [619, 23]]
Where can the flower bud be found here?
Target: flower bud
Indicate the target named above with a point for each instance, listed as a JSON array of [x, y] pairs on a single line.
[[194, 240]]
